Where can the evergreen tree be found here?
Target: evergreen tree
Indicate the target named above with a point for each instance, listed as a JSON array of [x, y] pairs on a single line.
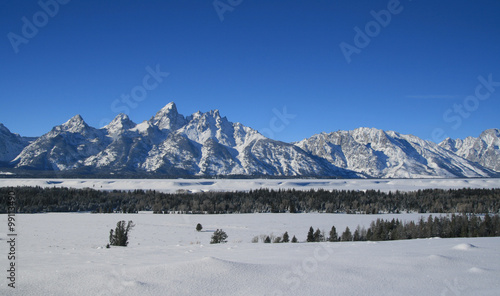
[[119, 237], [346, 236], [218, 237], [199, 227], [333, 235], [285, 237], [267, 240], [310, 235], [317, 235], [357, 235], [294, 239]]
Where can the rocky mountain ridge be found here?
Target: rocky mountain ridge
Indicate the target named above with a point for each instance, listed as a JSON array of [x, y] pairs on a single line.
[[207, 144]]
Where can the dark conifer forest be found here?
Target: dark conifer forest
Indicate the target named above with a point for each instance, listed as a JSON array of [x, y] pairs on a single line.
[[40, 200], [395, 229]]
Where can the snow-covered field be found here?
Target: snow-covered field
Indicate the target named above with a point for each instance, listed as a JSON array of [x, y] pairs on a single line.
[[195, 185], [64, 254]]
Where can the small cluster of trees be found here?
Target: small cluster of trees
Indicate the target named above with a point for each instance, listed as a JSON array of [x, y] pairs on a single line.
[[285, 238], [444, 226], [219, 236], [319, 236]]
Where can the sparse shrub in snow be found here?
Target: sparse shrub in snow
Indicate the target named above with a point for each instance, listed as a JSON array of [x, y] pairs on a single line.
[[199, 227], [255, 239], [277, 240], [119, 237], [218, 237]]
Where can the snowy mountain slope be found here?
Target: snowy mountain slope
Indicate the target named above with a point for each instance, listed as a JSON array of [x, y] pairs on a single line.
[[64, 147], [11, 144], [484, 150], [129, 147], [382, 154]]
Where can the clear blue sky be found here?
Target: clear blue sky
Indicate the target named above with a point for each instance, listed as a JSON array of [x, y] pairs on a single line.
[[251, 59]]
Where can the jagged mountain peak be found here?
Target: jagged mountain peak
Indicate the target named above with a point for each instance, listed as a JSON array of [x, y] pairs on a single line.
[[490, 134], [75, 119], [170, 107], [119, 124], [373, 133], [121, 118], [483, 150], [168, 118], [11, 144], [4, 129], [492, 131], [212, 114], [75, 124], [210, 125]]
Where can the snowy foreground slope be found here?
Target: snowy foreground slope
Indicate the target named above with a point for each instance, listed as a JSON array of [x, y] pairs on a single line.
[[197, 185], [64, 254]]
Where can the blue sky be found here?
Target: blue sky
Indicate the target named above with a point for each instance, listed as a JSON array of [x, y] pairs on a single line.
[[416, 71]]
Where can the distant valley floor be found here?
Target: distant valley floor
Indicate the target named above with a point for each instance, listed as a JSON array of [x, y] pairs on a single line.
[[205, 185]]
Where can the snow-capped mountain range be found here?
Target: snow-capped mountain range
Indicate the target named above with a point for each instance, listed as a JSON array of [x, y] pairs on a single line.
[[483, 150], [206, 144]]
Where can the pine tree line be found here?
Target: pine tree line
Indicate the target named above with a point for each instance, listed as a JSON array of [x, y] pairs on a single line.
[[443, 226], [37, 200]]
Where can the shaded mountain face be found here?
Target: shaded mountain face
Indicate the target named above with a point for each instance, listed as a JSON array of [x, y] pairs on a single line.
[[483, 149], [382, 154], [11, 144], [207, 144]]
